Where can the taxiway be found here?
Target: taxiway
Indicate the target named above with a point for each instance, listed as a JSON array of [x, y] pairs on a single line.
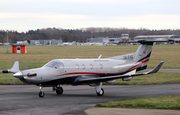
[[24, 99]]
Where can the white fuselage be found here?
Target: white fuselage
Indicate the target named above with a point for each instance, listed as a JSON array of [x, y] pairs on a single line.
[[74, 67]]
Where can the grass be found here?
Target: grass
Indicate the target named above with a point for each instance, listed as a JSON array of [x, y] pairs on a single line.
[[157, 78], [164, 102], [37, 56], [7, 79]]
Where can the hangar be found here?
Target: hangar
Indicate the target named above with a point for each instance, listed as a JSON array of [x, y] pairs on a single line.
[[107, 40], [176, 38], [45, 42]]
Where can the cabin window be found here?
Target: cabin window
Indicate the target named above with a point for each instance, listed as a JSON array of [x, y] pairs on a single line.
[[83, 66], [101, 66], [91, 66], [77, 66]]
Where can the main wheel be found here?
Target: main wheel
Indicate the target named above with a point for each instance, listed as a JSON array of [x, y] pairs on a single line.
[[59, 90], [101, 93], [41, 94]]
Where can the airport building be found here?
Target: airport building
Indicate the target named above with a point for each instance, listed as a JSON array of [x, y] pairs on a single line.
[[45, 42], [19, 48], [109, 40]]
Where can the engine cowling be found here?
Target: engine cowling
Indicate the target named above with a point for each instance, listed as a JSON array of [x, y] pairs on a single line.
[[127, 78]]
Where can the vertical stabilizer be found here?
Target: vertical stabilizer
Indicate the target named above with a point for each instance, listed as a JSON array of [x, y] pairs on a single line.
[[142, 54]]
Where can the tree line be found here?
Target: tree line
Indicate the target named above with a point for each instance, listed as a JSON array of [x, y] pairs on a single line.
[[79, 35]]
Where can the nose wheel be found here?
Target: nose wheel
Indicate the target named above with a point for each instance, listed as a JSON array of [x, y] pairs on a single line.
[[41, 93]]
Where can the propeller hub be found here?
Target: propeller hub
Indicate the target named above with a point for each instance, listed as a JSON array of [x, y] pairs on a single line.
[[18, 74]]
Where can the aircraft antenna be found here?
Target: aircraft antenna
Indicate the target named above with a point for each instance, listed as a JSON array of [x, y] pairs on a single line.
[[99, 57]]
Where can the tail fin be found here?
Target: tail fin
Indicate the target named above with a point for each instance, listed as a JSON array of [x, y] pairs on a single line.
[[143, 53]]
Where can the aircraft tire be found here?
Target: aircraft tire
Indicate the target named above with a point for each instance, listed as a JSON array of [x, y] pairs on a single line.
[[101, 93], [41, 94], [59, 91]]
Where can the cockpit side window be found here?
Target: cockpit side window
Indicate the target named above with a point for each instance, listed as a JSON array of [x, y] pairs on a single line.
[[51, 64], [56, 65], [60, 65]]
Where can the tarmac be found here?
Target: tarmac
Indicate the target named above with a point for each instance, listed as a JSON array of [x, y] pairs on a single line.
[[80, 100], [127, 111]]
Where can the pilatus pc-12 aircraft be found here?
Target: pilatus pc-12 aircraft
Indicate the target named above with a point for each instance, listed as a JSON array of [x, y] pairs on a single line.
[[87, 71]]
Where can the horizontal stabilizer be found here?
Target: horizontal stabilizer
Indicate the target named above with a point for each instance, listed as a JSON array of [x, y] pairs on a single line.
[[149, 41]]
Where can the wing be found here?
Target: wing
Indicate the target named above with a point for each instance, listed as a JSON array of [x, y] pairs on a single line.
[[96, 78]]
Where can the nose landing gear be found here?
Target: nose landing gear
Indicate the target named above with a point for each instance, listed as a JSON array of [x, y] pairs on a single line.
[[41, 93]]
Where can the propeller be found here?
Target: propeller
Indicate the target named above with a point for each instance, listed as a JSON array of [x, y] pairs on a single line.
[[20, 75], [14, 69], [17, 72]]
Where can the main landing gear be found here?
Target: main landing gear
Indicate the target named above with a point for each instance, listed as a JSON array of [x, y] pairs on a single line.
[[101, 93], [58, 89], [99, 90]]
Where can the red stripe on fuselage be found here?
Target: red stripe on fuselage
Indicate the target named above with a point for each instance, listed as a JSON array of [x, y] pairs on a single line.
[[138, 64], [105, 73]]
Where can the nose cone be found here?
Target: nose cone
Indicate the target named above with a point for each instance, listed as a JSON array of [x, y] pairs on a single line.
[[18, 75]]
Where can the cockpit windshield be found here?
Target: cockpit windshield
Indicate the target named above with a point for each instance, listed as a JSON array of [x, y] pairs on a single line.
[[54, 64]]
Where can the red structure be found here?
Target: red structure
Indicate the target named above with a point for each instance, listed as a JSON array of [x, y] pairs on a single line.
[[19, 49]]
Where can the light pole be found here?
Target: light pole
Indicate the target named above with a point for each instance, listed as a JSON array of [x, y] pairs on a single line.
[[7, 43]]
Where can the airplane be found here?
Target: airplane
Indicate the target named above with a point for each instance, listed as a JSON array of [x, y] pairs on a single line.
[[90, 72]]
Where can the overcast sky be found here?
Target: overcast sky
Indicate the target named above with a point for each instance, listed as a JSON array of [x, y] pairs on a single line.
[[24, 15]]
